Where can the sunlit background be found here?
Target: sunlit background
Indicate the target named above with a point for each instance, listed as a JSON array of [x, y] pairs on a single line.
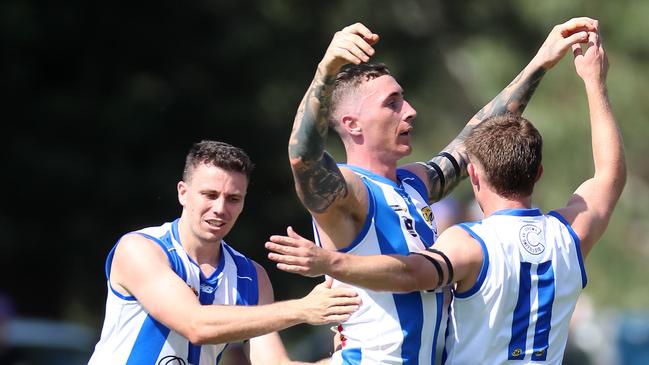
[[102, 101]]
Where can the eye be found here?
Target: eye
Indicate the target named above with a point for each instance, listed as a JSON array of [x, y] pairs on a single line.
[[211, 195], [235, 199]]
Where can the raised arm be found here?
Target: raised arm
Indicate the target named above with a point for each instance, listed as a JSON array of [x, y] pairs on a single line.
[[444, 171], [140, 269], [590, 207], [318, 180]]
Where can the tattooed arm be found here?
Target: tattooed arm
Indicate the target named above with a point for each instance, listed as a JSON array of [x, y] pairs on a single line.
[[444, 171], [326, 191]]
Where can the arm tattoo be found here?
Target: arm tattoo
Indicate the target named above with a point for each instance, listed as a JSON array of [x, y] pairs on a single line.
[[515, 96], [317, 177], [512, 99], [320, 183]]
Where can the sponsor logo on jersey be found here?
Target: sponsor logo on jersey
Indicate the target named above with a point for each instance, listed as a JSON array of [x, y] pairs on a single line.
[[427, 213], [207, 288], [531, 239]]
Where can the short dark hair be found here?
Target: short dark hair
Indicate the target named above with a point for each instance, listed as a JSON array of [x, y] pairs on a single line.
[[349, 78], [508, 147], [219, 154]]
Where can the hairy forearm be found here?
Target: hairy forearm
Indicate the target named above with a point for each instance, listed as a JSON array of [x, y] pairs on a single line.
[[317, 177]]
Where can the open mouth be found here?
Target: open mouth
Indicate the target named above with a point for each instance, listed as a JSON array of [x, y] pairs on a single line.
[[215, 223]]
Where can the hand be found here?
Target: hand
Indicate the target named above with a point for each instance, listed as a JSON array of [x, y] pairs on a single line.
[[296, 254], [352, 44], [562, 37], [326, 305], [591, 65]]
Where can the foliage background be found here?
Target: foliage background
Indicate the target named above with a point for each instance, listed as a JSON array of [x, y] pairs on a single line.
[[102, 101]]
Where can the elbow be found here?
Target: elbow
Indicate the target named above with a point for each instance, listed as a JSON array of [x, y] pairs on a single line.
[[197, 332]]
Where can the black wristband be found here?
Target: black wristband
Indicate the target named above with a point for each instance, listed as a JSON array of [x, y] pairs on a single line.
[[456, 166], [442, 180]]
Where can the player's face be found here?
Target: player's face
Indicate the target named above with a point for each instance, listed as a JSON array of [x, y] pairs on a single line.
[[386, 117], [212, 200]]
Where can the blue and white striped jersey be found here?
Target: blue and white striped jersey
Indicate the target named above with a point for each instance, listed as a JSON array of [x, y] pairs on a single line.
[[131, 336], [520, 307], [394, 328]]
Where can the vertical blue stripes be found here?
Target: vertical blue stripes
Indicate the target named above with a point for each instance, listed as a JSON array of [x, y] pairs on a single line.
[[546, 299], [409, 305], [247, 285], [438, 321], [148, 343], [521, 319]]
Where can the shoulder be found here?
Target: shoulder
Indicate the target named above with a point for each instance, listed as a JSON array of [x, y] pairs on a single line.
[[266, 294], [137, 247]]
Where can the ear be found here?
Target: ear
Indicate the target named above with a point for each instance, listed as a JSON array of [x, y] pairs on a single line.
[[182, 192], [539, 173], [473, 175], [351, 125]]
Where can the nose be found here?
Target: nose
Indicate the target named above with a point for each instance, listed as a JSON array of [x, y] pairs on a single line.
[[219, 207], [409, 113]]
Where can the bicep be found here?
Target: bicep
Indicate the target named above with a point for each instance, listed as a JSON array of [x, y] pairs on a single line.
[[141, 267]]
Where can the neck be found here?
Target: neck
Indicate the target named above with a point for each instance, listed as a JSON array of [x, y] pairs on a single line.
[[493, 203], [386, 169], [201, 251]]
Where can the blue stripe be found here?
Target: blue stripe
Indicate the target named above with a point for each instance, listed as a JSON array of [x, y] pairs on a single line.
[[483, 269], [408, 306], [546, 299], [352, 356], [584, 278], [174, 260], [193, 354], [148, 343], [426, 234], [447, 333], [371, 204], [440, 307], [521, 320], [414, 181], [247, 285], [534, 212]]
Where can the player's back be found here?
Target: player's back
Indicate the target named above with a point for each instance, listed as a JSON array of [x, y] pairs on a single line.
[[519, 310]]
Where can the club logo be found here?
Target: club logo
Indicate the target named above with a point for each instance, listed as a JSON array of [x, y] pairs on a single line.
[[427, 213], [531, 239]]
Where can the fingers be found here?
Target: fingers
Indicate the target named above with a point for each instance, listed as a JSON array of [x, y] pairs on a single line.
[[363, 31], [579, 37], [291, 233], [577, 24], [576, 50], [277, 240], [354, 43]]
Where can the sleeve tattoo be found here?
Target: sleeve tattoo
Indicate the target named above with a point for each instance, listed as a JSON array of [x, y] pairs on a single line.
[[318, 179], [448, 168]]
